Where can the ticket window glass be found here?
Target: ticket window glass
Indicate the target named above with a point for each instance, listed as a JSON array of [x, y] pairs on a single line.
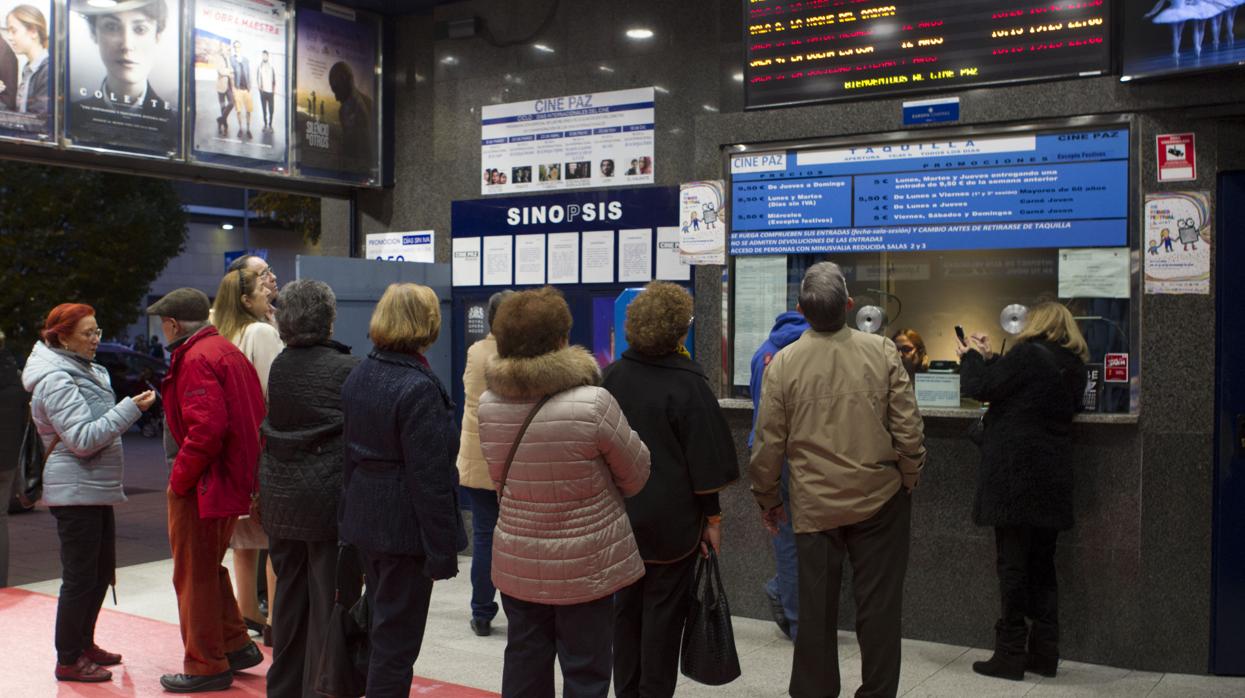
[[932, 292]]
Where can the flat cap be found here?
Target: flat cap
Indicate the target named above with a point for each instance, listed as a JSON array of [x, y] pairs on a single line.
[[185, 304]]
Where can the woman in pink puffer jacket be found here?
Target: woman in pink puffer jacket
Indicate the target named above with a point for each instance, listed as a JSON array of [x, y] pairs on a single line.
[[563, 543]]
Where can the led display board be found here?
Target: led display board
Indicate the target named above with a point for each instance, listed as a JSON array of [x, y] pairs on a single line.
[[1020, 190], [817, 50], [1171, 37]]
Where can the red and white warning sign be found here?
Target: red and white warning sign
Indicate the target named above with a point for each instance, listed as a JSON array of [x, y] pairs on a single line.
[[1115, 368], [1177, 157]]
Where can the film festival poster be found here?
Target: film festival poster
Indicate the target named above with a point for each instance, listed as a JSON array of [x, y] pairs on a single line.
[[240, 97], [123, 86], [27, 73], [335, 117]]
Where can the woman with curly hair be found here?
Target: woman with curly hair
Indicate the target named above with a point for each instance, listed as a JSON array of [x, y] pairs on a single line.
[[666, 398]]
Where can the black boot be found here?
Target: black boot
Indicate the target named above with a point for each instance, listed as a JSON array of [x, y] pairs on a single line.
[[1043, 649], [1008, 661]]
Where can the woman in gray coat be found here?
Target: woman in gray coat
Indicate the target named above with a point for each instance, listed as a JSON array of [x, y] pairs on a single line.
[[81, 422]]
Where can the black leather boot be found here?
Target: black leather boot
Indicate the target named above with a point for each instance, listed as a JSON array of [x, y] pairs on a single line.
[[1043, 649], [1008, 661]]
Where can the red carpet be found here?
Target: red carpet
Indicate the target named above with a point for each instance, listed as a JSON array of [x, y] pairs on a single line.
[[150, 648]]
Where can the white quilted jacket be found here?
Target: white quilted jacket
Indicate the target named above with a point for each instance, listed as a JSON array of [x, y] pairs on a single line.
[[562, 534]]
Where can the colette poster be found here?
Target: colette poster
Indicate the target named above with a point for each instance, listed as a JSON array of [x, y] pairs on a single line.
[[27, 73], [124, 60], [240, 96], [335, 119]]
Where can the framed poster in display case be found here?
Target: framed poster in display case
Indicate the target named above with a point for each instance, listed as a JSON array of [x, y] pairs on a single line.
[[337, 95], [123, 76], [1176, 37], [27, 70], [239, 83]]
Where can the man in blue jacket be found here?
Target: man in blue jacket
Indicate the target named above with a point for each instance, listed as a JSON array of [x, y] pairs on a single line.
[[783, 588]]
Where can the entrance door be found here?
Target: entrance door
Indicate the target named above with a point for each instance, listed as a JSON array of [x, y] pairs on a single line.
[[359, 283], [1228, 595]]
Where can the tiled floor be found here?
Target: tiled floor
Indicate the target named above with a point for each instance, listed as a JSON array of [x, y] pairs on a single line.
[[453, 655]]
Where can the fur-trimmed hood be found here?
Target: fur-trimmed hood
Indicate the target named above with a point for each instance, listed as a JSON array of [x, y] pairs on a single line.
[[521, 378]]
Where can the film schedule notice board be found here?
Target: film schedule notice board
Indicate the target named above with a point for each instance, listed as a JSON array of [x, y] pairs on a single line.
[[1066, 189], [818, 50]]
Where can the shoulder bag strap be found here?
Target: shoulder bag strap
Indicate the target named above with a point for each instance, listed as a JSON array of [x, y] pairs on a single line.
[[505, 472], [34, 432]]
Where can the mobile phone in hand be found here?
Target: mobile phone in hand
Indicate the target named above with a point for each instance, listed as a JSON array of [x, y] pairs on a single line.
[[959, 332]]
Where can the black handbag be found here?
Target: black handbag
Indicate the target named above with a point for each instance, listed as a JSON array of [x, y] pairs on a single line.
[[708, 654], [344, 659], [31, 459]]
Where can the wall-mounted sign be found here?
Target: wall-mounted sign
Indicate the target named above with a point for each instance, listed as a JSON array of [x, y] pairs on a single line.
[[239, 90], [1043, 189], [800, 52], [1177, 157], [600, 237], [124, 76], [414, 246], [931, 111], [702, 222], [337, 92], [27, 70], [601, 139], [1115, 368], [1177, 230]]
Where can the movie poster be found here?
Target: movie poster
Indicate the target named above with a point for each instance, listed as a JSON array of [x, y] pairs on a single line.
[[336, 95], [27, 73], [240, 97], [124, 63]]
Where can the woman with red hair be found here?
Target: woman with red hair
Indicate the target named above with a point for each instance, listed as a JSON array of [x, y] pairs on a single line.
[[80, 422]]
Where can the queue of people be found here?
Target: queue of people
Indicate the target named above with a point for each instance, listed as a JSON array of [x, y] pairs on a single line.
[[592, 495]]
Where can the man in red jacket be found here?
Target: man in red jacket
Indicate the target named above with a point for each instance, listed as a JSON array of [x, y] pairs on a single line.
[[213, 406]]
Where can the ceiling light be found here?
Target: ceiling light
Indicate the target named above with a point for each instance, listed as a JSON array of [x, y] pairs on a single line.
[[449, 60], [639, 33], [709, 107], [659, 88], [738, 77], [226, 226], [543, 48], [605, 69]]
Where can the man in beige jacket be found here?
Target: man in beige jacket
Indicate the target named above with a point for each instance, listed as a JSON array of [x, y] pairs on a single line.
[[837, 405], [474, 477]]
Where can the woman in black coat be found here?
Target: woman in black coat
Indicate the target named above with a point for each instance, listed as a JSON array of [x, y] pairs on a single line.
[[667, 400], [400, 506], [300, 474], [1024, 484]]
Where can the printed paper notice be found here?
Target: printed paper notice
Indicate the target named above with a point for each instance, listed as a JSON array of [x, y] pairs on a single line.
[[760, 285], [1177, 242], [466, 267], [702, 210], [564, 258], [938, 390], [598, 256], [1094, 273], [498, 260], [669, 267], [529, 260], [635, 255]]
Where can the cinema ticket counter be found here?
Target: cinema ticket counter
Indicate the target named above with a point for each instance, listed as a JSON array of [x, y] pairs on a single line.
[[971, 227]]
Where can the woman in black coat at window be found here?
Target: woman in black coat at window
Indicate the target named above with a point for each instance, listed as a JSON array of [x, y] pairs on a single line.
[[667, 400], [300, 474], [1024, 484]]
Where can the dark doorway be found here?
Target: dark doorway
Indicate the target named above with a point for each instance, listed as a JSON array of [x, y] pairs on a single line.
[[1228, 594]]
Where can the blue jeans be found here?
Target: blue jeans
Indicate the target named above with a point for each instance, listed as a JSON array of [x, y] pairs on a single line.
[[483, 521], [784, 585]]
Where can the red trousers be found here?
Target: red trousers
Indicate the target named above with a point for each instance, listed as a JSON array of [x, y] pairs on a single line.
[[210, 621]]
